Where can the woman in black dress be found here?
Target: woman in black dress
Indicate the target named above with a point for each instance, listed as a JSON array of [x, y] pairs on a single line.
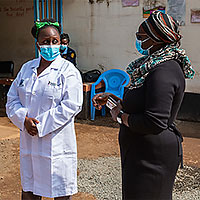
[[150, 144]]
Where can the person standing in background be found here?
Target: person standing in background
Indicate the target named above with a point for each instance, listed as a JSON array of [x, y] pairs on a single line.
[[67, 52]]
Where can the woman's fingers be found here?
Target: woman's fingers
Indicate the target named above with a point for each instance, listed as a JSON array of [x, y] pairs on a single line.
[[96, 97], [33, 131], [30, 125], [35, 121], [96, 100], [115, 111], [119, 104]]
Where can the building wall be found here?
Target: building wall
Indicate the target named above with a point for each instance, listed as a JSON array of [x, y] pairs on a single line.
[[16, 21], [104, 36], [191, 44]]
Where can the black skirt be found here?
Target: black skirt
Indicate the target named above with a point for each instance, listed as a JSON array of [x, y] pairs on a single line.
[[149, 164]]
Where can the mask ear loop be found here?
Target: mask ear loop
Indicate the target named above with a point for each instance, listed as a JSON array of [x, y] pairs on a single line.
[[156, 41], [38, 46], [148, 49]]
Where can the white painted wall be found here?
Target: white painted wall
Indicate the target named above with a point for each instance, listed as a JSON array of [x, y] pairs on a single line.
[[105, 35], [191, 43], [101, 35]]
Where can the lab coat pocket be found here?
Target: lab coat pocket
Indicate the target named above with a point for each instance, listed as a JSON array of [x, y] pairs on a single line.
[[24, 96], [51, 97]]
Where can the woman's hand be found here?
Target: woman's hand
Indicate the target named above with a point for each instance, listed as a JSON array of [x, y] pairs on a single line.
[[100, 99], [115, 111], [30, 125]]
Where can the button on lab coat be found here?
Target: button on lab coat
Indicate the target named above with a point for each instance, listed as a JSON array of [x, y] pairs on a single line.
[[48, 161]]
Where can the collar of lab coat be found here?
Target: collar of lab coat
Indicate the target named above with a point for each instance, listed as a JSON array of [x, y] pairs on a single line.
[[54, 65]]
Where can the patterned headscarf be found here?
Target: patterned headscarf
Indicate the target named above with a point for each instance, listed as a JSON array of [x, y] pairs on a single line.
[[165, 30], [161, 28]]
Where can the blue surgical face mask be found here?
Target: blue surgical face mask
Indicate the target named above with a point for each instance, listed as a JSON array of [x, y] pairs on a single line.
[[138, 45], [63, 47], [49, 52]]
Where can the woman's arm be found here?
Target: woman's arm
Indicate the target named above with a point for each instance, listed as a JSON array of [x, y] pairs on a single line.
[[161, 86], [15, 111], [69, 106], [115, 112], [100, 99]]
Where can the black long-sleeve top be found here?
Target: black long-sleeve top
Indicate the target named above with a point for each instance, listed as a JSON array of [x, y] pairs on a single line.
[[149, 149], [155, 105]]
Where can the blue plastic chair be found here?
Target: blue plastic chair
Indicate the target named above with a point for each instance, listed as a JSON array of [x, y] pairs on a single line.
[[115, 80]]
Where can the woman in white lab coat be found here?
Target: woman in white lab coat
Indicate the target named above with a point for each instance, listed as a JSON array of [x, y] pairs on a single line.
[[42, 102]]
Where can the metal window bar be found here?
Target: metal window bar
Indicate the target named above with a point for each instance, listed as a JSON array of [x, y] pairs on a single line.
[[56, 9], [61, 14], [42, 8], [47, 8], [51, 8]]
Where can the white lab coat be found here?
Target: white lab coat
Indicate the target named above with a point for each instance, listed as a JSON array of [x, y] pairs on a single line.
[[48, 161]]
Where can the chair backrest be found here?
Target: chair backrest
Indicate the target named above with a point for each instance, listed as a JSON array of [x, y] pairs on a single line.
[[6, 69], [115, 80]]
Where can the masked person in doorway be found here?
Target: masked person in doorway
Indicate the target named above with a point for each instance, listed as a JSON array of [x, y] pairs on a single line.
[[150, 144], [42, 102], [67, 52]]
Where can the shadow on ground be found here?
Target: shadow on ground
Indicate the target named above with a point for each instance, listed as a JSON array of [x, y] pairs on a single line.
[[187, 128]]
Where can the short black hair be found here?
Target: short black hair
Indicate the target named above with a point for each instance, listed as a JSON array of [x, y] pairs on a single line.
[[35, 32], [65, 36]]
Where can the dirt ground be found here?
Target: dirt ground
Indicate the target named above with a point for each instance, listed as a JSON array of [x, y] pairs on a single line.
[[94, 139]]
